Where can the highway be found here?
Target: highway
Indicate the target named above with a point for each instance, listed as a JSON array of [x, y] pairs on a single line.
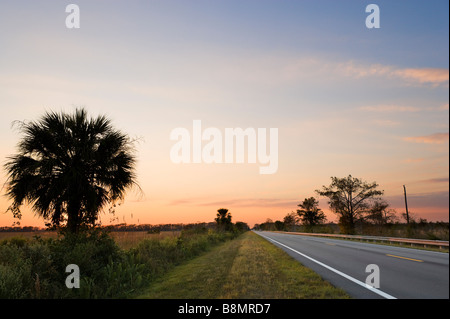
[[404, 273]]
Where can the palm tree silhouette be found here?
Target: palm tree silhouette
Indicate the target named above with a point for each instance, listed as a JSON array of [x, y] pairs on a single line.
[[68, 167]]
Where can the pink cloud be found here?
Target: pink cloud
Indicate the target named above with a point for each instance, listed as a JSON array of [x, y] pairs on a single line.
[[424, 75], [444, 107], [414, 160], [437, 138], [433, 76], [390, 108]]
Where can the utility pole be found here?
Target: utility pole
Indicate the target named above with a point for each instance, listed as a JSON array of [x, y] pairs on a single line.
[[406, 205]]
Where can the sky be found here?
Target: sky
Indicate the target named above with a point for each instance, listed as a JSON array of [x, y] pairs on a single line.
[[345, 99]]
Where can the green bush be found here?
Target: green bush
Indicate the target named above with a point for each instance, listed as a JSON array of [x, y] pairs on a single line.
[[89, 250], [18, 241], [14, 281], [123, 278], [36, 268], [26, 271]]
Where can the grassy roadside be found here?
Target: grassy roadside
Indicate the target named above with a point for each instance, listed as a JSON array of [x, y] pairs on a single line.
[[246, 267]]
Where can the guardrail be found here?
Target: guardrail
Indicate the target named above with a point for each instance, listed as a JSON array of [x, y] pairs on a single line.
[[412, 242]]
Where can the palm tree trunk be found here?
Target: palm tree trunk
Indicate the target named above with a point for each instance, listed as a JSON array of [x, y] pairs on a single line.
[[73, 216]]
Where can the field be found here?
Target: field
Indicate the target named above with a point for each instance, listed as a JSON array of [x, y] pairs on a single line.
[[27, 235], [124, 239], [130, 239]]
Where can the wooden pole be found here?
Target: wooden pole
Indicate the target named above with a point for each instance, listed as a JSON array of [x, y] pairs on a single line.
[[406, 205]]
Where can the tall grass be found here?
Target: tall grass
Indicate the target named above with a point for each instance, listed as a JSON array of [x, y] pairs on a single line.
[[35, 267], [130, 239]]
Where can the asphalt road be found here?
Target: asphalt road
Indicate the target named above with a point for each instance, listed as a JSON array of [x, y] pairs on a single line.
[[404, 273]]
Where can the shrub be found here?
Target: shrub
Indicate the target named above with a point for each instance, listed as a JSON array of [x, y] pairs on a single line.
[[91, 251], [14, 281], [36, 268], [15, 272]]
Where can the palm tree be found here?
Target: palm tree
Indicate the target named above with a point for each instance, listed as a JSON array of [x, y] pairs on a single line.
[[223, 218], [68, 167]]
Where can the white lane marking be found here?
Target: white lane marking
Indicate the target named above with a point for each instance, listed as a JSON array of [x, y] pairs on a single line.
[[356, 281]]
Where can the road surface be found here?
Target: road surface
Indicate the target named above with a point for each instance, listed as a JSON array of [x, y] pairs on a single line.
[[404, 273]]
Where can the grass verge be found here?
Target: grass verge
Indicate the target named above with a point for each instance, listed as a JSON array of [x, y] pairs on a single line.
[[246, 267]]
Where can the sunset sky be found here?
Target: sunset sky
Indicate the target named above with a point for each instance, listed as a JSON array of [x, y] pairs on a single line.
[[373, 103]]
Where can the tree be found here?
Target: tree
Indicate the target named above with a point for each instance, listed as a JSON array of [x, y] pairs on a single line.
[[267, 225], [379, 213], [310, 214], [290, 220], [349, 198], [242, 226], [223, 219], [279, 225], [69, 167]]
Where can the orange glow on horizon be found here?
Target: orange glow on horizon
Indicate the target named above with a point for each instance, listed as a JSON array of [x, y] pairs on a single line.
[[130, 213]]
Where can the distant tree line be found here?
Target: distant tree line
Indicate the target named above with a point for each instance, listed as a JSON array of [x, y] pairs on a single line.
[[222, 222], [158, 227], [354, 201], [133, 227], [20, 229]]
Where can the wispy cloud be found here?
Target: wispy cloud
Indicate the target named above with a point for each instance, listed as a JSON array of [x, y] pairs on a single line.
[[241, 202], [436, 180], [393, 108], [390, 108], [275, 70], [281, 203], [437, 138], [437, 199], [424, 76], [417, 76], [413, 160], [386, 123], [444, 107]]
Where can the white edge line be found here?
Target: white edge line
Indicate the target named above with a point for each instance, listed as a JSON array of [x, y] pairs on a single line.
[[356, 281]]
